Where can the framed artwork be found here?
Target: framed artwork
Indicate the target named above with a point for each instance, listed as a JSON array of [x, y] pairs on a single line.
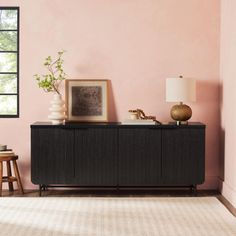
[[86, 100]]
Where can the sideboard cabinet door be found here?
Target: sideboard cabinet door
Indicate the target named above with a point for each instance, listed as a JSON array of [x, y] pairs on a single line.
[[52, 155], [96, 156], [183, 152], [139, 156]]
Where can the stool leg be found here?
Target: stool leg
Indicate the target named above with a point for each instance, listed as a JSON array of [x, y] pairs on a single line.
[[10, 184], [18, 177], [1, 173]]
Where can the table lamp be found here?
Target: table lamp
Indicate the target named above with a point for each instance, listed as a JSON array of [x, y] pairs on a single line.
[[180, 90]]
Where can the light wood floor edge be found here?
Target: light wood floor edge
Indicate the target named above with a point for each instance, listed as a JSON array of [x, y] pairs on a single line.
[[227, 204], [67, 193], [162, 193]]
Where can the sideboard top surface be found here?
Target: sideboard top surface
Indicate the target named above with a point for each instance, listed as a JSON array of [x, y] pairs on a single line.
[[68, 125]]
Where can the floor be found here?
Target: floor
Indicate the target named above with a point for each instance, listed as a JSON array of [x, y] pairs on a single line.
[[115, 216], [120, 193]]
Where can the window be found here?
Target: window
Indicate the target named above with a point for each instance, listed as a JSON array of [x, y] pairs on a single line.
[[9, 62]]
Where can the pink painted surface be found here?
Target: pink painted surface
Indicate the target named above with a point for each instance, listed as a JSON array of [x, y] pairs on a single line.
[[228, 81], [135, 44]]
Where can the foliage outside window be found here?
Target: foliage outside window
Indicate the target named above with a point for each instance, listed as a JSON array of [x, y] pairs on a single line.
[[9, 62]]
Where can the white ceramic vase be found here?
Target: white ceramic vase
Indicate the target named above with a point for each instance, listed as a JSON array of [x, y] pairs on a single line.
[[57, 109]]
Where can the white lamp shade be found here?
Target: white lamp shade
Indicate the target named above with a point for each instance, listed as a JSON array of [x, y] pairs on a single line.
[[180, 90]]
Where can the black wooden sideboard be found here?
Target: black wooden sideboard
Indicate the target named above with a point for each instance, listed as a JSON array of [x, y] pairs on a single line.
[[116, 155]]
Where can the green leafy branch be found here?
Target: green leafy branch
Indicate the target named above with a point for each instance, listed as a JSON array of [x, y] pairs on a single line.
[[51, 82]]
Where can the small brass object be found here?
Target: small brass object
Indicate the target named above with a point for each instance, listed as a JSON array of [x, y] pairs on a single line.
[[140, 115]]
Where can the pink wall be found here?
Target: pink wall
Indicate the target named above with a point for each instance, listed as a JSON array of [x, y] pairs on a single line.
[[228, 80], [136, 44]]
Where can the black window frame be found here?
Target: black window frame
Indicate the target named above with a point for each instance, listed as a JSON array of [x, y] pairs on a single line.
[[17, 73]]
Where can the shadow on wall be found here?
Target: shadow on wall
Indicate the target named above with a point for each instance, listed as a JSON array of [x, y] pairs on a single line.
[[112, 114], [207, 91], [222, 138], [209, 100], [25, 171], [222, 155]]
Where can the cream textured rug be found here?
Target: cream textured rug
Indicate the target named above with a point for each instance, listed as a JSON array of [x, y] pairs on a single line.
[[105, 216]]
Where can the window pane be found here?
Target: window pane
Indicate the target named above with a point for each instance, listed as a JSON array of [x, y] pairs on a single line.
[[9, 56], [8, 19], [8, 105], [8, 41], [8, 83], [8, 62]]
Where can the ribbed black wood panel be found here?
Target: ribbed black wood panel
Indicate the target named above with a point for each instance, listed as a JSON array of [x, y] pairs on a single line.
[[139, 157], [52, 156], [111, 154], [96, 156], [183, 152]]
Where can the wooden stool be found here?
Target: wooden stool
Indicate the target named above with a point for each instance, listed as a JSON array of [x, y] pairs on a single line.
[[9, 178]]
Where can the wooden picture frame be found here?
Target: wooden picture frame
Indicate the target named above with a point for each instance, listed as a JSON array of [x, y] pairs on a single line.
[[86, 100]]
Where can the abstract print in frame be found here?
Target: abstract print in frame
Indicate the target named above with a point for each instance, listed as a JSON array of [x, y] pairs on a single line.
[[86, 100]]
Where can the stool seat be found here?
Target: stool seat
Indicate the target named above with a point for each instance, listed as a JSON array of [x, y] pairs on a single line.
[[8, 158], [9, 178]]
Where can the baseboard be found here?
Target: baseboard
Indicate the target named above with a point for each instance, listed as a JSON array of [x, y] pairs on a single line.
[[227, 204], [229, 193]]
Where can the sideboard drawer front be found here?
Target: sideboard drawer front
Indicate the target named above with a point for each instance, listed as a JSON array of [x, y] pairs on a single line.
[[183, 152], [139, 157], [52, 155], [96, 157]]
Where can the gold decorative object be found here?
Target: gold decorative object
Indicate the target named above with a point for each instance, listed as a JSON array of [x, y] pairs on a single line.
[[139, 114]]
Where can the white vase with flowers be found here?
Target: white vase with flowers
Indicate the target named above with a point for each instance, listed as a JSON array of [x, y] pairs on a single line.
[[51, 83]]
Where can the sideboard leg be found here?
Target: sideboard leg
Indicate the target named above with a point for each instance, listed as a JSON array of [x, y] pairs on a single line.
[[42, 187], [194, 190], [40, 190]]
